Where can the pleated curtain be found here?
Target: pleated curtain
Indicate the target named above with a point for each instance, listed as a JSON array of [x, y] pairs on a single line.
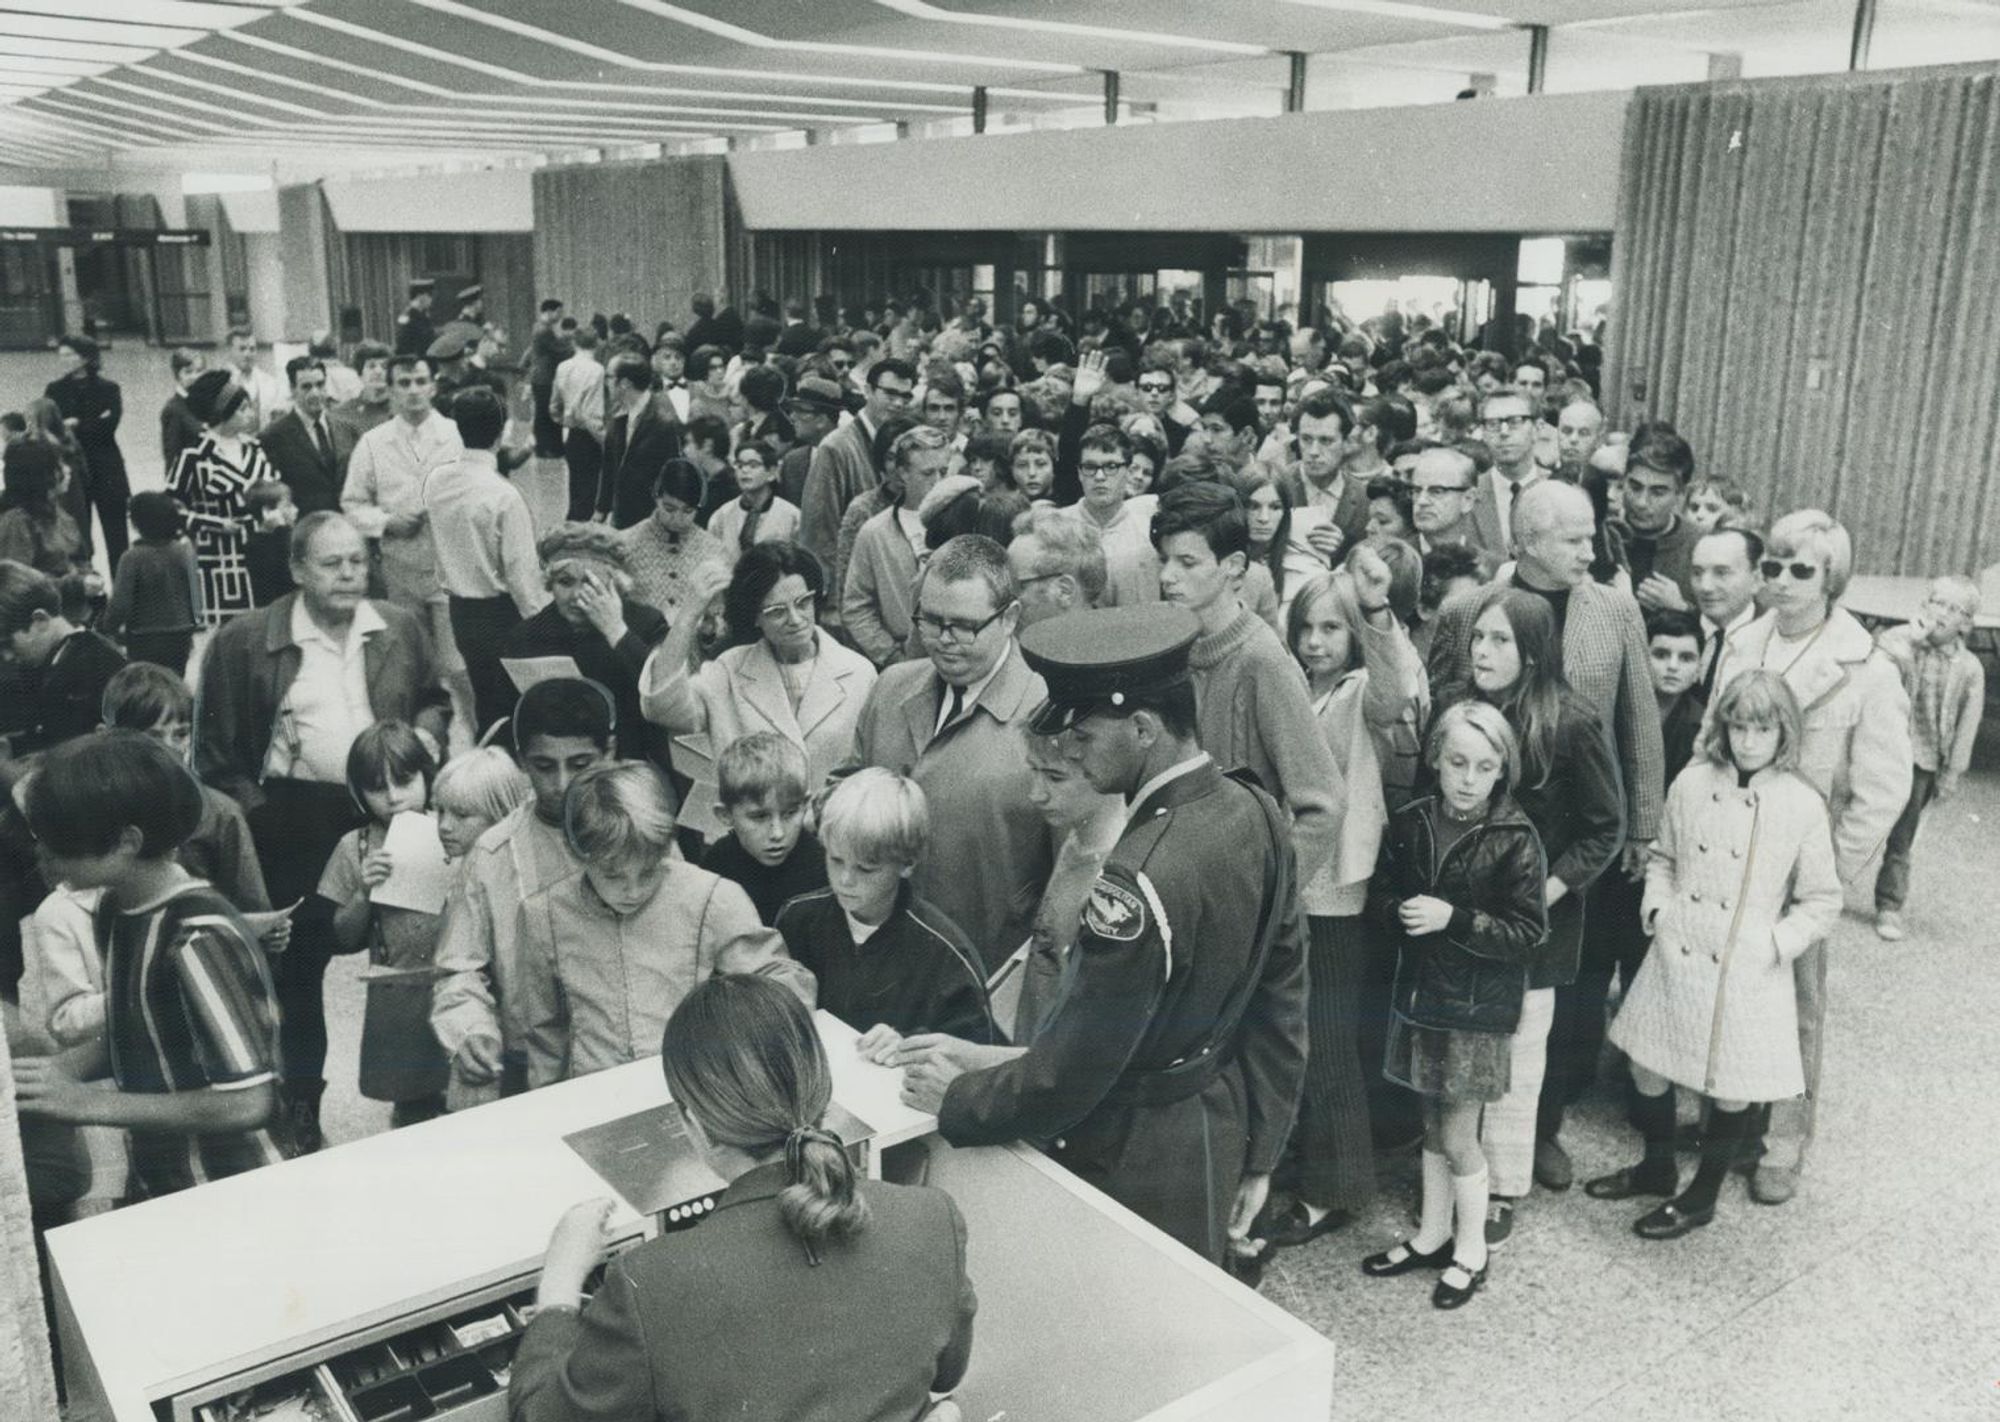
[[1808, 285]]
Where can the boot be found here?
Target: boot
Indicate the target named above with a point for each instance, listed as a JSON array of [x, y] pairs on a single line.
[[1656, 1172], [298, 1124]]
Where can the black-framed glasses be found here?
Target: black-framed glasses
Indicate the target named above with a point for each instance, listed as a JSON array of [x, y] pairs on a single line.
[[956, 629], [1774, 568], [1156, 387], [1086, 470], [1508, 422]]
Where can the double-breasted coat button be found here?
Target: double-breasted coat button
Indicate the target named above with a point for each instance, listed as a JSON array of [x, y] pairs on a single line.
[[1061, 1144], [1694, 898], [1685, 950], [1735, 854], [1715, 957]]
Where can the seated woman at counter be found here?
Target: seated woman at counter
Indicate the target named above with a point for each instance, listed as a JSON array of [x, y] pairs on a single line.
[[807, 1293]]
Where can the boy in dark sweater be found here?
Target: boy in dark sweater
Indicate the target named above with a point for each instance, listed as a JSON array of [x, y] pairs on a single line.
[[761, 795], [888, 962], [64, 668], [156, 602]]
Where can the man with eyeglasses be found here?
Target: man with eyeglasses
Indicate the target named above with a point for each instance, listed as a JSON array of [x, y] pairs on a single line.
[[875, 601], [951, 721], [1507, 421], [1441, 499], [1058, 563], [1131, 567], [1159, 392], [843, 465]]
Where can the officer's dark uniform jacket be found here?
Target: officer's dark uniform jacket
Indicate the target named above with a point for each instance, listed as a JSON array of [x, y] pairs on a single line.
[[414, 332], [1169, 1071], [1471, 975]]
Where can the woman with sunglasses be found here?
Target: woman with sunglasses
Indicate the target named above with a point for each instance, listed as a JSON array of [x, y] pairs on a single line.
[[1855, 750], [781, 671]]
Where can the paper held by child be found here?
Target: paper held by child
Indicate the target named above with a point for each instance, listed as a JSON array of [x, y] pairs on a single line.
[[418, 877], [532, 671]]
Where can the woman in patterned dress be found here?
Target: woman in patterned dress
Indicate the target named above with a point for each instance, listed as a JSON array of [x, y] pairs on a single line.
[[211, 480]]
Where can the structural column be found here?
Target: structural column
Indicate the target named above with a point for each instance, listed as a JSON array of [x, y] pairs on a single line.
[[1111, 96], [1864, 34], [979, 109], [1538, 57], [1295, 89]]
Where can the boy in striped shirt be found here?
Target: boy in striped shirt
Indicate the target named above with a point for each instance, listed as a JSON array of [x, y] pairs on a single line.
[[190, 1035]]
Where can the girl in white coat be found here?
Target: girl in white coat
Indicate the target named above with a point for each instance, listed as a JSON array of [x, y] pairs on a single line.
[[1741, 882]]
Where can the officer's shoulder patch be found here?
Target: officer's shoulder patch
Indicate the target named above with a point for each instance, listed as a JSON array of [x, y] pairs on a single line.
[[1114, 912]]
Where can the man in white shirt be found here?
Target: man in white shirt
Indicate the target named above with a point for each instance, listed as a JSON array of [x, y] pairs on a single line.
[[577, 404], [268, 395], [384, 494], [485, 545], [1723, 568], [1507, 420]]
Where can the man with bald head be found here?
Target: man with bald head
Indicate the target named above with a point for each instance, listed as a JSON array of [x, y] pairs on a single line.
[[1605, 660]]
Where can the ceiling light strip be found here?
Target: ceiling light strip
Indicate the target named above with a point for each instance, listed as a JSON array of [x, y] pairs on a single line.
[[537, 81], [609, 105], [933, 14], [722, 29]]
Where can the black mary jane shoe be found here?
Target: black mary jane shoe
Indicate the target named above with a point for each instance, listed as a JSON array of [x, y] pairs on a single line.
[[1401, 1259], [1670, 1221], [1628, 1183], [1447, 1295]]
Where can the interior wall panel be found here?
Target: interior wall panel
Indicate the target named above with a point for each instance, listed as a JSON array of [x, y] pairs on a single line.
[[642, 238]]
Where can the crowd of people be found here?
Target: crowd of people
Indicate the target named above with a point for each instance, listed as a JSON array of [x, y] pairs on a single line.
[[1219, 753]]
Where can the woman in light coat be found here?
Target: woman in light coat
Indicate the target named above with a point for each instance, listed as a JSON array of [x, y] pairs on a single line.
[[781, 672], [1740, 884], [1855, 751]]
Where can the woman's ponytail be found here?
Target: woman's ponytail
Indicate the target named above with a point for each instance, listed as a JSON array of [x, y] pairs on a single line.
[[821, 1201], [741, 1056]]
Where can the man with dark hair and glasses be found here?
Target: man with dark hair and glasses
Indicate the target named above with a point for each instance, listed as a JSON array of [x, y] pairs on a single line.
[[951, 722]]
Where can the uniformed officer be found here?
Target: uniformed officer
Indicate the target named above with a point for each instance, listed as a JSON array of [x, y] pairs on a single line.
[[472, 304], [414, 332], [448, 358], [1169, 1074]]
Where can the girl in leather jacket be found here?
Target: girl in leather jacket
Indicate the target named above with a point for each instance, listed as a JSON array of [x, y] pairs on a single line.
[[1461, 880]]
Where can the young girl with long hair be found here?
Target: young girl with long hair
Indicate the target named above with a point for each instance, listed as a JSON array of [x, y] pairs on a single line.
[[1570, 792], [1742, 880], [1459, 883], [1367, 686]]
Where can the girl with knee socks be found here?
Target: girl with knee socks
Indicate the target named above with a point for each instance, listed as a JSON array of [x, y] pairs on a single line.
[[1460, 884], [1741, 882]]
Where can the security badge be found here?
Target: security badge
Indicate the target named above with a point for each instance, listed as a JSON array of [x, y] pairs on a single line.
[[1114, 913]]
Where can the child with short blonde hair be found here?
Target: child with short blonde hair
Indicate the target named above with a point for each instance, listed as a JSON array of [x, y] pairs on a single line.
[[1712, 500], [608, 952], [1947, 690], [473, 793], [888, 962]]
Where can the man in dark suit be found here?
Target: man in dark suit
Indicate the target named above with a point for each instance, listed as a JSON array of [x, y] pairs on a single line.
[[799, 337], [640, 437], [414, 331], [306, 445]]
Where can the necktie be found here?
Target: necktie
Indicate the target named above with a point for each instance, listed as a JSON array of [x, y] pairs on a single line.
[[749, 534], [1714, 660], [953, 705], [1513, 493], [325, 444]]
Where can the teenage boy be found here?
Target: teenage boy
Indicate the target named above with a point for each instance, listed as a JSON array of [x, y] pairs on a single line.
[[1254, 710], [761, 796], [887, 962], [191, 1019], [65, 667], [561, 728]]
